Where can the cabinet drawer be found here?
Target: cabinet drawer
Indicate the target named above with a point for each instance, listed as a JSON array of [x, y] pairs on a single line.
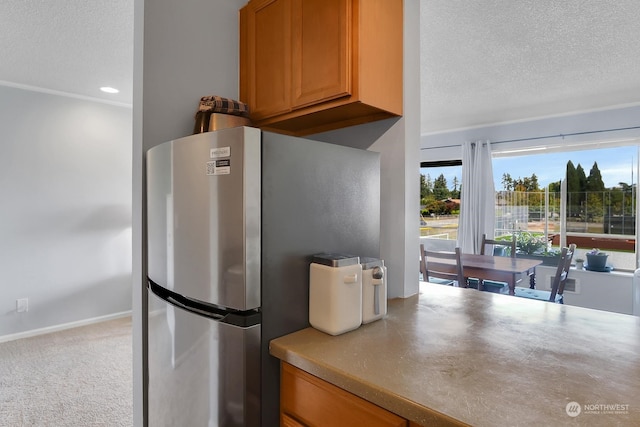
[[308, 400]]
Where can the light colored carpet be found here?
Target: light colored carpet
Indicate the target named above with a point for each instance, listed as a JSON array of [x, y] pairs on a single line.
[[77, 377]]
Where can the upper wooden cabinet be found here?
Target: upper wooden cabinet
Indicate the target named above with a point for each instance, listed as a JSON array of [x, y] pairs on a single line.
[[308, 66]]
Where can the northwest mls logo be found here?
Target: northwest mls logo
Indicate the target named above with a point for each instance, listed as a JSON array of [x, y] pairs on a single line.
[[573, 409]]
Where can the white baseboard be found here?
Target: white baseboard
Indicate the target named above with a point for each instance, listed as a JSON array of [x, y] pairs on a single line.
[[63, 326]]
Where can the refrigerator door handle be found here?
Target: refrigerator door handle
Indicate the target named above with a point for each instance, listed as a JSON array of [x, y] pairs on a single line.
[[205, 313], [243, 319], [188, 304]]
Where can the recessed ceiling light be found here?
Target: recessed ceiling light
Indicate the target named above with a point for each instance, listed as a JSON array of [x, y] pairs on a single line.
[[109, 89]]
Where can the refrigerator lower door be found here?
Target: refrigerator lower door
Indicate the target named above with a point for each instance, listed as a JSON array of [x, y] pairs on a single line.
[[202, 372]]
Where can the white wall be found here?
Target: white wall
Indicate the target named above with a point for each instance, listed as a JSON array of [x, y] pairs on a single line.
[[601, 291], [585, 122], [65, 222]]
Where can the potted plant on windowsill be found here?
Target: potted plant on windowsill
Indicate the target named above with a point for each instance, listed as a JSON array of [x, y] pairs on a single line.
[[579, 263], [597, 260], [536, 246]]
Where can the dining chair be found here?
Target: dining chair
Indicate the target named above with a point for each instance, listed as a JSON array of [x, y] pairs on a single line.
[[435, 268], [499, 248], [559, 280]]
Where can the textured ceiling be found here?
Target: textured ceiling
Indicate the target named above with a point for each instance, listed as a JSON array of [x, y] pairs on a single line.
[[482, 61], [73, 46], [495, 61]]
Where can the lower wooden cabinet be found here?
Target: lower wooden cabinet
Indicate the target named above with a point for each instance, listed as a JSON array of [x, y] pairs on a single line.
[[287, 421], [306, 400]]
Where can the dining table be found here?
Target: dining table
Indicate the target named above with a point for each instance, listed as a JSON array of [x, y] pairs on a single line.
[[499, 269]]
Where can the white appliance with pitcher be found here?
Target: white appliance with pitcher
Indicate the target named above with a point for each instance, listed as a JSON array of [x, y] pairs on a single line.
[[346, 291]]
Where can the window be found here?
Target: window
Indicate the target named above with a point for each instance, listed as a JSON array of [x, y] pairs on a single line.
[[596, 209], [440, 200]]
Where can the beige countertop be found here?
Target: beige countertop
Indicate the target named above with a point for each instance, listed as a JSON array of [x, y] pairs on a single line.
[[460, 355]]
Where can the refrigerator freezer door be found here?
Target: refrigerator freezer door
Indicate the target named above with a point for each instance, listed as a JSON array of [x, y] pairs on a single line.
[[201, 372], [203, 217]]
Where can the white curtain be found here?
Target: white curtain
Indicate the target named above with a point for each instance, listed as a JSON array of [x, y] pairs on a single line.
[[477, 200]]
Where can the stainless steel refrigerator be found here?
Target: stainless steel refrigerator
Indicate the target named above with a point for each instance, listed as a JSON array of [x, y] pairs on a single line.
[[233, 219]]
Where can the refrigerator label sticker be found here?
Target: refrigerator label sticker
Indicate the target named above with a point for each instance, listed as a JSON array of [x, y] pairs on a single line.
[[219, 167], [216, 153]]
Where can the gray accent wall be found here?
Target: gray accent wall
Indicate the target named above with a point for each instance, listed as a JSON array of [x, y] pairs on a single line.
[[65, 221], [183, 50]]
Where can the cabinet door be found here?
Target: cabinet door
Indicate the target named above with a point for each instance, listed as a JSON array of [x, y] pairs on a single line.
[[287, 421], [268, 57], [321, 51], [308, 400]]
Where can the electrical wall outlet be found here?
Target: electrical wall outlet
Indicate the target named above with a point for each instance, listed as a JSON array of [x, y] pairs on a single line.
[[22, 305]]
